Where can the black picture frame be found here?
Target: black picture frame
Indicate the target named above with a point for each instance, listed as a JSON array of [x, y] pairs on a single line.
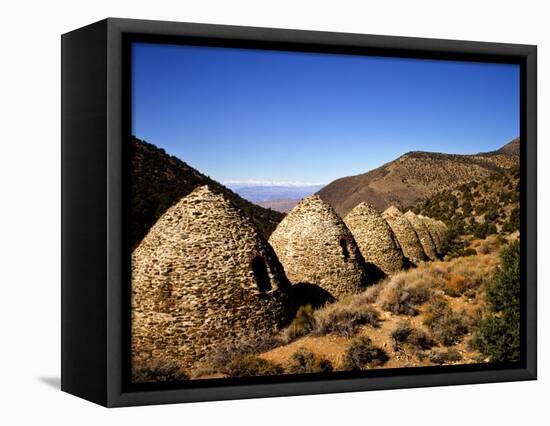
[[95, 278]]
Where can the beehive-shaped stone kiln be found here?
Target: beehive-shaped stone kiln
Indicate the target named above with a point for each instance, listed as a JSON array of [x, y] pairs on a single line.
[[375, 238], [405, 234], [203, 275], [432, 228], [423, 234], [441, 231], [315, 246], [442, 228]]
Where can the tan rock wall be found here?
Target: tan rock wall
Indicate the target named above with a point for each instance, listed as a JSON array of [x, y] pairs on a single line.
[[423, 234], [198, 281], [442, 229], [375, 238], [433, 229], [315, 246], [405, 234]]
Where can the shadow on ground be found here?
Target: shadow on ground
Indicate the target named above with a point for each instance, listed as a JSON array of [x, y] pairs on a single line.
[[307, 294], [54, 382]]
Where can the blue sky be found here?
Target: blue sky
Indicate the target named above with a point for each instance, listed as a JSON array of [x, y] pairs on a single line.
[[237, 114]]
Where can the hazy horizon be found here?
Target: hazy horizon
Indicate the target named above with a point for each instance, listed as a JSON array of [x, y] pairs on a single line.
[[299, 119]]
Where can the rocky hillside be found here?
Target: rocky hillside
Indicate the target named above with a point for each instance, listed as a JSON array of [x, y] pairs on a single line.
[[478, 207], [159, 180], [510, 149], [415, 176]]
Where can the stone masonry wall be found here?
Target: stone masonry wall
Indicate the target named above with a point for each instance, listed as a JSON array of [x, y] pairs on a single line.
[[434, 232], [405, 234], [198, 281], [315, 246], [423, 234], [375, 238], [442, 229]]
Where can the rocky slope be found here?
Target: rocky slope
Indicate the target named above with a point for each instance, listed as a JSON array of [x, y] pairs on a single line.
[[158, 180], [429, 315], [511, 148], [415, 176], [493, 201]]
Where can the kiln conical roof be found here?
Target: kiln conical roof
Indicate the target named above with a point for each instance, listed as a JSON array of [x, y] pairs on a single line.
[[315, 246]]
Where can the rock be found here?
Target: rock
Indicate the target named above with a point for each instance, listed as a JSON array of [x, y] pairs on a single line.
[[216, 260], [441, 229], [405, 234], [423, 234], [375, 238], [315, 246], [433, 229]]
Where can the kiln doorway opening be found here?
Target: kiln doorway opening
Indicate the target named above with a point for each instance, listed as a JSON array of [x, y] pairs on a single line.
[[261, 275]]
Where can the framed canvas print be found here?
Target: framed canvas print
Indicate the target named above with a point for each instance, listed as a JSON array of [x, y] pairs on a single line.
[[253, 212]]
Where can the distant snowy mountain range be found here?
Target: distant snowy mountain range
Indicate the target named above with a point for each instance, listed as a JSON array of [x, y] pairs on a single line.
[[266, 191]]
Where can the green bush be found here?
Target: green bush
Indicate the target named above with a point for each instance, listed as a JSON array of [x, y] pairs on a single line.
[[304, 361], [468, 252], [362, 353], [452, 244], [467, 208], [251, 365], [513, 221], [505, 197], [498, 336], [501, 240], [482, 230], [492, 212], [460, 252], [303, 323]]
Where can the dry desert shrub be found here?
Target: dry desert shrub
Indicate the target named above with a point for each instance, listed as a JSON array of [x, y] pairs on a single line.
[[401, 333], [446, 325], [473, 315], [444, 356], [465, 276], [158, 371], [254, 343], [343, 318], [404, 292], [304, 361], [487, 246], [456, 277], [252, 365], [346, 317], [405, 333], [371, 293], [456, 285], [361, 353], [303, 324]]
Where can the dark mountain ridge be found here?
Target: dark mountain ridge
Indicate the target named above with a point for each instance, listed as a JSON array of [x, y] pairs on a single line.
[[158, 180]]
